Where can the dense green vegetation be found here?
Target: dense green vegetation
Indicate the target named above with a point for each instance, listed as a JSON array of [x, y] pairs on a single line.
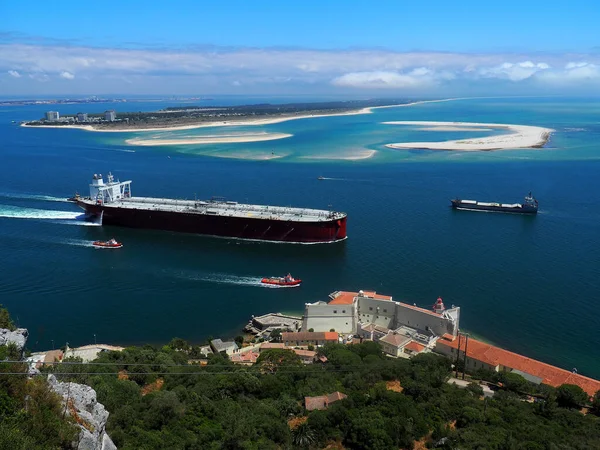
[[31, 416], [222, 406], [158, 400]]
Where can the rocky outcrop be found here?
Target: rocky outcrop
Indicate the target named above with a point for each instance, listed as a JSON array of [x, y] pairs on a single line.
[[17, 337], [81, 404]]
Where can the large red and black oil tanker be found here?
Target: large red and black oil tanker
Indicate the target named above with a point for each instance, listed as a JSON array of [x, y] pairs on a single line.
[[112, 204]]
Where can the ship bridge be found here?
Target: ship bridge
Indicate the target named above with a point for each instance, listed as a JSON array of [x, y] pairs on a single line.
[[109, 192]]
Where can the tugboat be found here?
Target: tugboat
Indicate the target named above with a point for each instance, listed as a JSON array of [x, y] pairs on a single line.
[[288, 280], [530, 206], [111, 243]]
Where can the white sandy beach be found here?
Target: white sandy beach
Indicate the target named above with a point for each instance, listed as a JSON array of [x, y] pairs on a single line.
[[519, 136], [213, 139]]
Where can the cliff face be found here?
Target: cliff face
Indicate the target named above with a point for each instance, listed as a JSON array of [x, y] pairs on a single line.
[[17, 337], [80, 401]]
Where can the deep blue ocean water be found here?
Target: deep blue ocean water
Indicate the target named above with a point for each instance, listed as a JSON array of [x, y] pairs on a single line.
[[529, 284]]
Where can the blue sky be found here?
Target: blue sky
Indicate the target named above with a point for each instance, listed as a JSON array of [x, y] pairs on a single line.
[[339, 47]]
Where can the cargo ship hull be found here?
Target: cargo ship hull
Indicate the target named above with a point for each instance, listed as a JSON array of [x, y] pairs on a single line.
[[264, 229], [520, 209]]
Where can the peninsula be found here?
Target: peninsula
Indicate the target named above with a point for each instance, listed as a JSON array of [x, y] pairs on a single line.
[[515, 136], [189, 117]]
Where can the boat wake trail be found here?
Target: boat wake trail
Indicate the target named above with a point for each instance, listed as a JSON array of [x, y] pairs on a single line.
[[65, 217], [78, 243], [227, 279], [44, 198]]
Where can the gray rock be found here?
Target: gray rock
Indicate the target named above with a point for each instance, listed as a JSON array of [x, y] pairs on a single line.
[[17, 337], [92, 414]]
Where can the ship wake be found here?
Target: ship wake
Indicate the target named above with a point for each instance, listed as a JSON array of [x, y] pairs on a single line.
[[38, 197], [222, 278], [56, 216]]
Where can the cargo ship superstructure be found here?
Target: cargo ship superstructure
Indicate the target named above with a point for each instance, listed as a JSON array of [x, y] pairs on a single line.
[[112, 204], [530, 206]]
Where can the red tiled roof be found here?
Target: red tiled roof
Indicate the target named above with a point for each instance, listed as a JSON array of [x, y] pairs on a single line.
[[343, 298], [397, 340], [312, 403], [551, 375], [305, 353], [448, 336], [247, 357], [322, 401], [335, 396], [414, 347], [347, 298]]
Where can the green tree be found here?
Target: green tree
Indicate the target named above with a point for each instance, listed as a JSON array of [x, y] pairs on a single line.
[[239, 340], [5, 320], [303, 435], [571, 396], [276, 359], [275, 335], [596, 403]]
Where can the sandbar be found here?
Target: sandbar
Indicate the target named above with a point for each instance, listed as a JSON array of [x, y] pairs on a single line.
[[364, 154], [214, 139], [518, 136]]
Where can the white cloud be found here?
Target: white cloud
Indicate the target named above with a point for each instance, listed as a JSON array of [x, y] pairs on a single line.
[[14, 73], [513, 71], [386, 79], [67, 75], [255, 69]]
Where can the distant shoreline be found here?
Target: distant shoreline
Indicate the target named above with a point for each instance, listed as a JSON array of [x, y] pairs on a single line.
[[243, 121], [520, 136]]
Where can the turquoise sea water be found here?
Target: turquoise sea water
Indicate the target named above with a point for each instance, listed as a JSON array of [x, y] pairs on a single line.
[[529, 284]]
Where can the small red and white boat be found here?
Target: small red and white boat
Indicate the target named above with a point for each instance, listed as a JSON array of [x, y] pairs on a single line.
[[288, 280], [107, 244]]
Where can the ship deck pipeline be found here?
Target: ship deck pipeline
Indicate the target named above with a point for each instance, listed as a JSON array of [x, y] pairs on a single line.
[[228, 209]]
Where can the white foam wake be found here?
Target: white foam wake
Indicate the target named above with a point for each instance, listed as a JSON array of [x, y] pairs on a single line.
[[18, 212], [228, 279], [45, 198]]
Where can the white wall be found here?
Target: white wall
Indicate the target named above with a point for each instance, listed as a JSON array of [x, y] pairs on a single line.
[[379, 312], [420, 320], [323, 317]]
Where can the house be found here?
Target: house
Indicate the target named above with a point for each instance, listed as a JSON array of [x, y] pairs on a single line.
[[246, 358], [309, 338], [393, 344], [371, 331], [322, 401], [228, 347], [307, 356], [90, 352], [271, 346], [413, 348]]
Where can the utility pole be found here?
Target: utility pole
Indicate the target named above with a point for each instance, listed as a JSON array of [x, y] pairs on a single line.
[[465, 364], [457, 355]]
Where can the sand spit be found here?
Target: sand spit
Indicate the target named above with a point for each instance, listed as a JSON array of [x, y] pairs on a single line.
[[214, 139], [243, 122], [519, 136]]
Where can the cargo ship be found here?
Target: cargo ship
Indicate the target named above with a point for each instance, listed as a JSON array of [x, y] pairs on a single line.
[[530, 206], [111, 203]]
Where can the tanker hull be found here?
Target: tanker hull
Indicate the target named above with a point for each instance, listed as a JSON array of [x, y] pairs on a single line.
[[251, 228]]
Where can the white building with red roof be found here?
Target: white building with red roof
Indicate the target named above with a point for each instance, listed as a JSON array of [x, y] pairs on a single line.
[[353, 312]]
